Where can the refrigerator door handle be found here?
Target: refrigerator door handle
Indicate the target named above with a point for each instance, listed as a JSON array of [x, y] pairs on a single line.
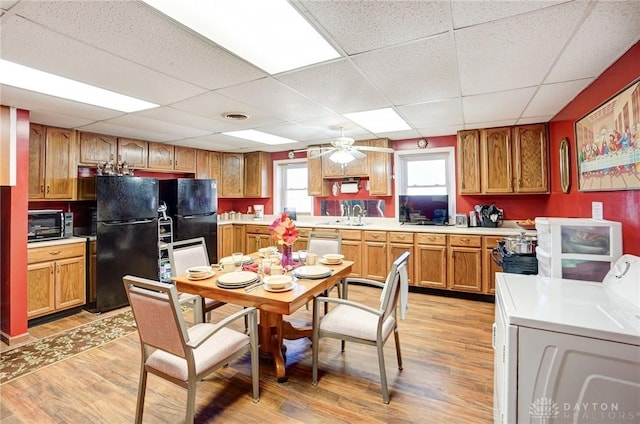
[[142, 221]]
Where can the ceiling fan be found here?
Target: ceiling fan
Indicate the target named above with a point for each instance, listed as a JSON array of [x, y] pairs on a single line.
[[343, 150]]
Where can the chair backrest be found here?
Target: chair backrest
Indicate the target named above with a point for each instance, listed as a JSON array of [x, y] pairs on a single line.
[[157, 313], [185, 254], [391, 292], [323, 242]]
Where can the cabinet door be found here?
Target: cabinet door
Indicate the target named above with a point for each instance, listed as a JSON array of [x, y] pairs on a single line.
[[397, 249], [465, 265], [316, 185], [431, 266], [184, 159], [469, 162], [97, 148], [134, 152], [330, 169], [203, 163], [37, 135], [70, 283], [225, 245], [60, 164], [160, 156], [379, 169], [352, 251], [40, 289], [489, 266], [531, 159], [232, 173], [358, 167], [252, 243], [238, 238], [256, 174], [497, 170], [214, 166]]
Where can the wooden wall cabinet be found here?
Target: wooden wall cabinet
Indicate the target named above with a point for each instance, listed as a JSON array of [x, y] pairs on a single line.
[[160, 156], [55, 279], [232, 174], [379, 169], [316, 185], [208, 165], [465, 263], [53, 163], [530, 157], [497, 167], [468, 162], [431, 260], [184, 159], [374, 266], [355, 168], [257, 174], [96, 149], [134, 152]]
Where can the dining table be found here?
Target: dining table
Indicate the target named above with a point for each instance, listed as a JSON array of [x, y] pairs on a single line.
[[272, 306]]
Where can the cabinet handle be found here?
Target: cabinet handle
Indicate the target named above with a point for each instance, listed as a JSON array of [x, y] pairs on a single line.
[[51, 269], [55, 252], [42, 188], [57, 268], [48, 189]]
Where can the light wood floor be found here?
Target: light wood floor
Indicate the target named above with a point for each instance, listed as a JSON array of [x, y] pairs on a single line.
[[447, 377]]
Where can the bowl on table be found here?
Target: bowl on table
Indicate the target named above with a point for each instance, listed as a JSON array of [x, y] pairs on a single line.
[[198, 271], [265, 252], [276, 282], [333, 258]]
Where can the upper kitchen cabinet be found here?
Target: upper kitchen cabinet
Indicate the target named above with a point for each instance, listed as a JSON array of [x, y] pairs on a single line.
[[184, 159], [231, 175], [316, 185], [134, 152], [257, 174], [96, 149], [503, 160], [207, 165], [160, 156], [52, 163], [379, 169], [530, 157], [469, 162], [355, 168]]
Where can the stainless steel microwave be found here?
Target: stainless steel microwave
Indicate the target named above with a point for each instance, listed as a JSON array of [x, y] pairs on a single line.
[[49, 224]]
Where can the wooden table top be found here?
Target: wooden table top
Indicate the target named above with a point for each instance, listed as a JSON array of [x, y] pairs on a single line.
[[284, 303]]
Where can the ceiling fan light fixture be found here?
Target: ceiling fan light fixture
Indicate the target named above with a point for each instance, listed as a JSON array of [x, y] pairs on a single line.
[[342, 157]]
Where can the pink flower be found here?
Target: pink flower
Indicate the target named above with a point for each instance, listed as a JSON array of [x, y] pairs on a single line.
[[283, 230]]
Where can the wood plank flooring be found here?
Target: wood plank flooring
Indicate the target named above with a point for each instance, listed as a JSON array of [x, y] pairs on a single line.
[[447, 377]]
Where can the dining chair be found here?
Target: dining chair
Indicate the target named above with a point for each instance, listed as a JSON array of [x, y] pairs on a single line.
[[183, 255], [323, 242], [359, 323], [184, 355]]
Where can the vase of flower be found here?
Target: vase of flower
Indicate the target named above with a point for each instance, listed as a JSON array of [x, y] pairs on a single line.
[[287, 256], [284, 232]]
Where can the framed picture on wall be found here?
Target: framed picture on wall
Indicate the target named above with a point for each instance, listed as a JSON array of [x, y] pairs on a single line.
[[608, 143]]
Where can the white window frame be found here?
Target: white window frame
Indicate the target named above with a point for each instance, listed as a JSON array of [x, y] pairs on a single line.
[[399, 160], [278, 166]]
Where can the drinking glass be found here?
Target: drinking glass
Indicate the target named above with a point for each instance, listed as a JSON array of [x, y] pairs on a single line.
[[237, 259], [302, 254], [266, 267]]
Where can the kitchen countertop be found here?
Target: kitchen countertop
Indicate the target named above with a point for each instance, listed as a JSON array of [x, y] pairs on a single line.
[[47, 243], [509, 228]]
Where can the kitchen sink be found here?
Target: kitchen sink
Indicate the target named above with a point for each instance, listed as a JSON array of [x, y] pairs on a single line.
[[342, 222]]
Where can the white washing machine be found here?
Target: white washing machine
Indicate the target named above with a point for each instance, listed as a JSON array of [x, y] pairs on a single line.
[[568, 351]]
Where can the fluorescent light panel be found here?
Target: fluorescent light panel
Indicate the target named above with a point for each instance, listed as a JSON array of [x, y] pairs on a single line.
[[31, 79], [271, 34], [260, 137], [379, 120]]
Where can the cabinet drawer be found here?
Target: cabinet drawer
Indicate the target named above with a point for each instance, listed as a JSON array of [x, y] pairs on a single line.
[[303, 231], [395, 237], [351, 234], [52, 253], [375, 236], [437, 239], [465, 240], [491, 241], [257, 229]]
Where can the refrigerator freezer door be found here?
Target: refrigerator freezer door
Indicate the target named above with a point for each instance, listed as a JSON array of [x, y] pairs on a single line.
[[126, 198], [196, 197], [199, 226]]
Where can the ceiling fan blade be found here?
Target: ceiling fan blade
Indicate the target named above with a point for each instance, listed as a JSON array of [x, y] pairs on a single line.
[[310, 149], [375, 149], [318, 153], [357, 154]]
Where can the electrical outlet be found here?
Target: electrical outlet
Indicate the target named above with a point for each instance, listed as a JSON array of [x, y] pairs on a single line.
[[596, 210]]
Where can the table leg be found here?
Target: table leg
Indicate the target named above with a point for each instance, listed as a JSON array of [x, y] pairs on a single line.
[[270, 337]]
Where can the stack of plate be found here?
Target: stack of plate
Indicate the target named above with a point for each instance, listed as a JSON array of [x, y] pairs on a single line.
[[332, 259], [199, 272], [237, 279], [312, 272], [228, 259]]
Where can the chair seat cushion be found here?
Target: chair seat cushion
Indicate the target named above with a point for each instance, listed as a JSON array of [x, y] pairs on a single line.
[[355, 322], [219, 346]]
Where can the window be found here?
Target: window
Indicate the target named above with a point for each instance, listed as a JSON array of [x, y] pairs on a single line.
[[431, 172], [291, 186]]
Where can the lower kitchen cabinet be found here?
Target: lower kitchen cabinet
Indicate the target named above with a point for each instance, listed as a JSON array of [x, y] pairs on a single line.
[[374, 265], [430, 260], [465, 263], [257, 237], [489, 266], [225, 242], [400, 242], [352, 250], [56, 278], [303, 240], [238, 238]]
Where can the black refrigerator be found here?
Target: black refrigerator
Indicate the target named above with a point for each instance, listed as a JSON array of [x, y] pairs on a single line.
[[126, 234], [193, 206]]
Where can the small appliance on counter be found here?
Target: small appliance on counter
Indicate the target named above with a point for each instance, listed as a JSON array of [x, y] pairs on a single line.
[[258, 211], [517, 254], [486, 216], [49, 224]]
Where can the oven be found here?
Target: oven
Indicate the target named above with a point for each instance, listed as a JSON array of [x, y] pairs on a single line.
[[49, 224]]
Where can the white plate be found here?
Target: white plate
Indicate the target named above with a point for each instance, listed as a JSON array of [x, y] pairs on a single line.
[[278, 281], [313, 271], [326, 262], [245, 259], [288, 287], [198, 269], [201, 277], [237, 277]]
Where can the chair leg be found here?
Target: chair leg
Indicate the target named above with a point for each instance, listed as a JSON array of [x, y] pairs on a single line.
[[255, 359], [383, 373], [142, 388], [191, 401], [314, 346], [396, 335]]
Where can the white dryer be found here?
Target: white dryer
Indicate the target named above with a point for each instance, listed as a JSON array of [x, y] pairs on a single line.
[[568, 351]]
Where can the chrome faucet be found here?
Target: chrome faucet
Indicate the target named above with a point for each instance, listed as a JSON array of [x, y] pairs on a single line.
[[359, 216]]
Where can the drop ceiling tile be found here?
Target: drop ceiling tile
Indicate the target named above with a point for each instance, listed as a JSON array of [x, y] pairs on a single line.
[[169, 130], [57, 119], [31, 45], [399, 135], [360, 26], [440, 131], [160, 43], [427, 70], [179, 117], [506, 105], [534, 120], [433, 114], [293, 131], [468, 13], [594, 50], [217, 142], [516, 52], [551, 98], [127, 132], [490, 124], [279, 100], [339, 85]]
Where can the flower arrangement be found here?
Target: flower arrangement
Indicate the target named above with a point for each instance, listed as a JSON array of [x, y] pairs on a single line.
[[283, 230]]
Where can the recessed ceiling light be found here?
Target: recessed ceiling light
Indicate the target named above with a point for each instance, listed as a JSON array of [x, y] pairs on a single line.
[[31, 79], [379, 120], [235, 116], [260, 137], [271, 34]]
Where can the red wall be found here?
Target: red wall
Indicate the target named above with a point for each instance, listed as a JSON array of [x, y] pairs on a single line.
[[623, 206]]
